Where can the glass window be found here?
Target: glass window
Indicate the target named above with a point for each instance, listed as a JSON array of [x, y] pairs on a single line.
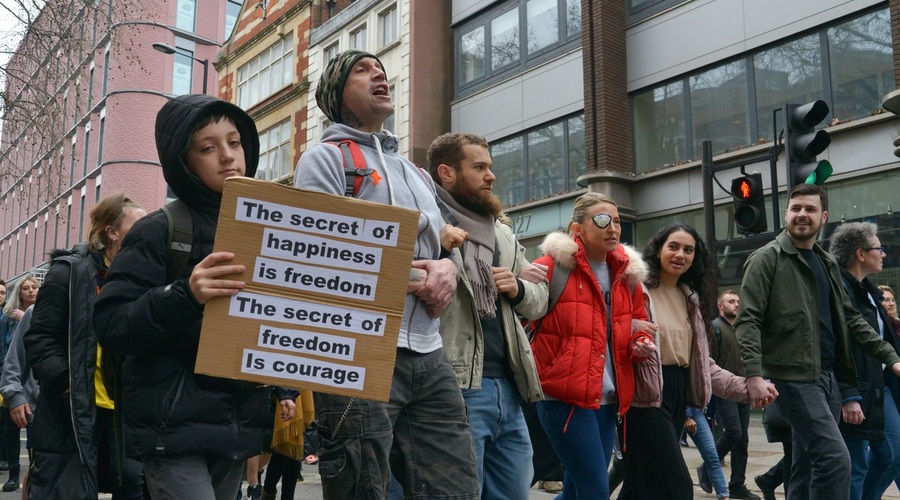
[[788, 73], [388, 26], [719, 109], [182, 72], [862, 68], [331, 52], [543, 27], [505, 39], [358, 38], [509, 157], [267, 73], [659, 127], [274, 152], [513, 33], [546, 162], [187, 10], [232, 11], [389, 121], [573, 18], [472, 55], [576, 150], [102, 132]]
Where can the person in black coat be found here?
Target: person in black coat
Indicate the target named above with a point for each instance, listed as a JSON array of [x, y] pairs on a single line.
[[74, 426], [192, 432], [870, 422]]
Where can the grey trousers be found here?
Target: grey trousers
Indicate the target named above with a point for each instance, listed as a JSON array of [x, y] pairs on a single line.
[[192, 476], [821, 463]]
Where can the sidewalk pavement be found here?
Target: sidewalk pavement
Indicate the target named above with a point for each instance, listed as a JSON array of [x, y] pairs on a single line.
[[762, 456]]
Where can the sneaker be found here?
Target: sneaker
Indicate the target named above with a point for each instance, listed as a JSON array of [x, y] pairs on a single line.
[[550, 486], [703, 478], [254, 492], [767, 489], [10, 485], [683, 441], [741, 492], [4, 465]]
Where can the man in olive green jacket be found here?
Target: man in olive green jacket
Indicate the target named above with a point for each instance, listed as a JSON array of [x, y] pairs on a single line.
[[482, 337], [795, 326]]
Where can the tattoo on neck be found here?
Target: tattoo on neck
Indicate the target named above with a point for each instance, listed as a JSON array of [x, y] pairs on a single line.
[[350, 119]]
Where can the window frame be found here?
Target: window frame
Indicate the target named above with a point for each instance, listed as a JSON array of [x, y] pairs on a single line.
[[245, 83], [564, 44]]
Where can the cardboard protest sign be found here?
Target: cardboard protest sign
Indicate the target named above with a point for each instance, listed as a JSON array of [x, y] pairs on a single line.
[[325, 289]]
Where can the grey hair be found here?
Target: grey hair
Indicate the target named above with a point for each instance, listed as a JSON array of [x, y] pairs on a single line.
[[849, 237]]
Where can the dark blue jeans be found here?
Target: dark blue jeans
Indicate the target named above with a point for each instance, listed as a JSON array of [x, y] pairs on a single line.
[[583, 439], [421, 436], [821, 467]]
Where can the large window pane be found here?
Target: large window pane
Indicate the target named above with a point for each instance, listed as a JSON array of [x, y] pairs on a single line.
[[659, 127], [388, 26], [719, 107], [472, 55], [573, 18], [543, 27], [182, 74], [576, 150], [232, 11], [505, 39], [546, 167], [788, 73], [509, 157], [861, 65], [187, 11]]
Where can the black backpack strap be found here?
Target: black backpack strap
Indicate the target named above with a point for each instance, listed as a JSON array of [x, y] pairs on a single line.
[[180, 239]]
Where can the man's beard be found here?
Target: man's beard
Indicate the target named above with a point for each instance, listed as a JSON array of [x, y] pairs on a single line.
[[477, 200]]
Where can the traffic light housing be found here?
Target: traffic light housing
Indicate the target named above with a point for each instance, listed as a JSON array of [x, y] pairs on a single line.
[[804, 143], [749, 204]]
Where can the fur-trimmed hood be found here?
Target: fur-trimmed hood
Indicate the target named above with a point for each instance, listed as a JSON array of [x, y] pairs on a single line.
[[563, 247]]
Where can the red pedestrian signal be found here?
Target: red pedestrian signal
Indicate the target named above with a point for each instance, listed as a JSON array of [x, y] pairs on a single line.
[[749, 204]]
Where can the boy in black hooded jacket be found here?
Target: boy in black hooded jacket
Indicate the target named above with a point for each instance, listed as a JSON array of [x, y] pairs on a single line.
[[192, 432]]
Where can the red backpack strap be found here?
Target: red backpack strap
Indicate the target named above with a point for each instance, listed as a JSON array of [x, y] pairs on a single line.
[[354, 163]]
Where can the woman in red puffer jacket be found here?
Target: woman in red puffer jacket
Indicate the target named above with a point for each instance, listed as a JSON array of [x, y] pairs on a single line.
[[594, 351]]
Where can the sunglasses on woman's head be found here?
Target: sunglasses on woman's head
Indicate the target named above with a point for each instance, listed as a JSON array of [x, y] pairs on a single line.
[[602, 220]]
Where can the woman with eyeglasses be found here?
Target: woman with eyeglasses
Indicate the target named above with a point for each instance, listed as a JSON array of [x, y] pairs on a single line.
[[870, 422], [594, 350]]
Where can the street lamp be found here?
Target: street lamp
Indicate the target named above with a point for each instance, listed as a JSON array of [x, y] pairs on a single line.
[[168, 49]]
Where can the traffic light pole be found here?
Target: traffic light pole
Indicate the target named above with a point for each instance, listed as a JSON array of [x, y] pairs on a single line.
[[709, 170]]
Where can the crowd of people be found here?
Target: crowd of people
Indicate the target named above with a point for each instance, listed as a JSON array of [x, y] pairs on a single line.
[[614, 350]]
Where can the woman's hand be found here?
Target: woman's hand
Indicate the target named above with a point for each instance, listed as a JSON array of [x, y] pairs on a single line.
[[690, 425], [534, 273], [206, 282], [643, 348], [17, 314], [287, 409]]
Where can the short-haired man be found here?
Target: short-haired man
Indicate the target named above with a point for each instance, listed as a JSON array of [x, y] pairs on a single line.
[[484, 340], [733, 417], [795, 326], [422, 434]]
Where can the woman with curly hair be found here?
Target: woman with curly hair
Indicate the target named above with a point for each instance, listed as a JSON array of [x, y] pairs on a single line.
[[677, 292]]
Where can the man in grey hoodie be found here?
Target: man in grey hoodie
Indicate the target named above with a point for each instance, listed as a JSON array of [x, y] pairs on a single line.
[[421, 435]]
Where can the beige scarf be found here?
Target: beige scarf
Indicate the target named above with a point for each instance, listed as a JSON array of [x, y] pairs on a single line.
[[478, 254]]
